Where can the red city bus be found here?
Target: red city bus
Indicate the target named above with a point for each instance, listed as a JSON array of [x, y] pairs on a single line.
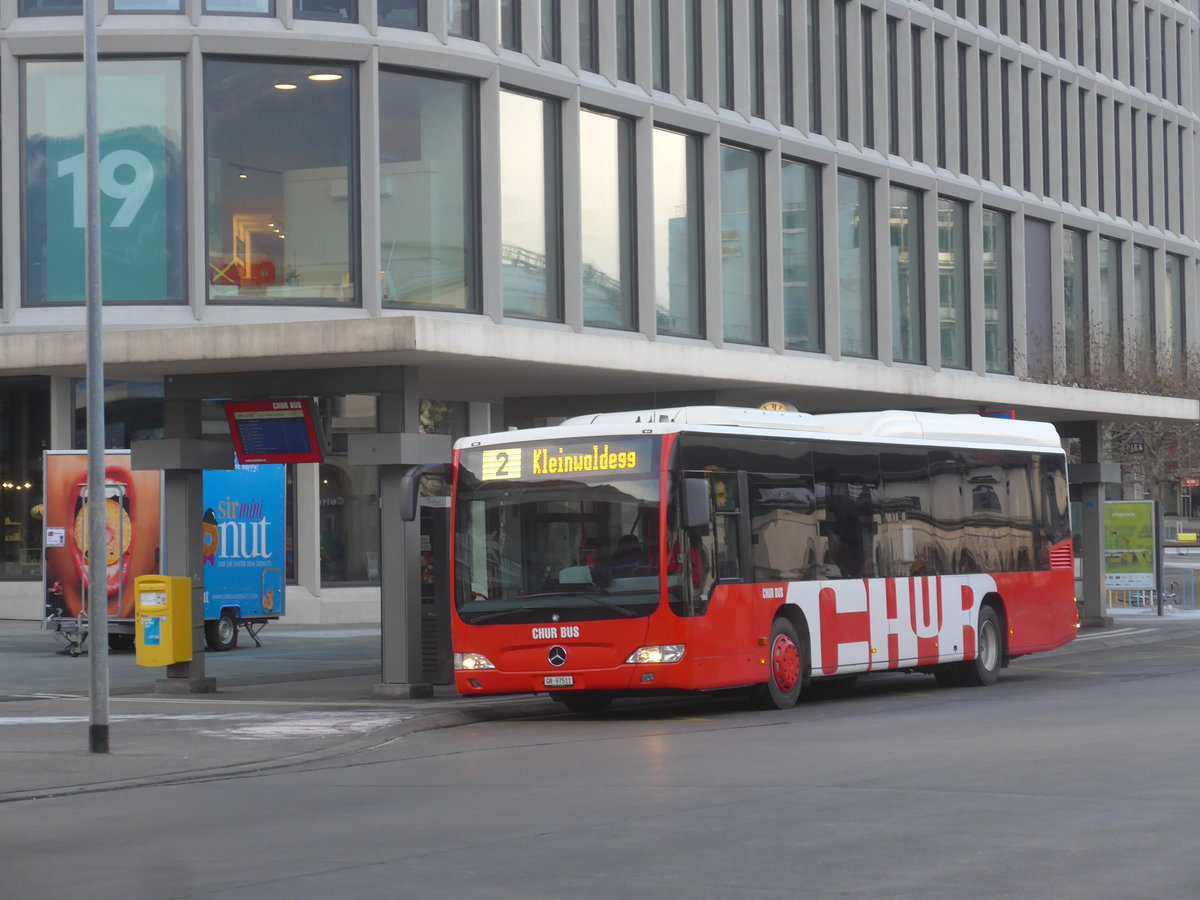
[[713, 548]]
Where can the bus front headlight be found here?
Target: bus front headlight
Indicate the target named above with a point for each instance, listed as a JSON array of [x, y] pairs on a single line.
[[659, 653], [471, 662]]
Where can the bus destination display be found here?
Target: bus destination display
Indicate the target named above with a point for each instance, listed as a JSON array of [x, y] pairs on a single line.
[[273, 431], [616, 456]]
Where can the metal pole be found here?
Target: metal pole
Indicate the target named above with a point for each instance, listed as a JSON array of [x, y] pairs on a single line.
[[97, 493], [1159, 554]]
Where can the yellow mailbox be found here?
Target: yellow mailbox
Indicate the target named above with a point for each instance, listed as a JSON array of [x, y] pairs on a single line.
[[163, 609]]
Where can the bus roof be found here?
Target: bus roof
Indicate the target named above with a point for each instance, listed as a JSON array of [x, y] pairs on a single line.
[[883, 426]]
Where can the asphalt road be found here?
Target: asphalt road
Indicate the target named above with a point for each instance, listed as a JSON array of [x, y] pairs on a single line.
[[1074, 777]]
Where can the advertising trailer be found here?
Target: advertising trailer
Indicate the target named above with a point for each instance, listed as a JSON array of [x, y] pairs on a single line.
[[243, 535], [243, 546], [132, 519]]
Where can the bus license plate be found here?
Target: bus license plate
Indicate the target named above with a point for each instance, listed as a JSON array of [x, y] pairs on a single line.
[[558, 680]]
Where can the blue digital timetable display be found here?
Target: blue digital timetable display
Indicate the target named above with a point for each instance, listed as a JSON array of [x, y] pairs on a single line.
[[273, 431]]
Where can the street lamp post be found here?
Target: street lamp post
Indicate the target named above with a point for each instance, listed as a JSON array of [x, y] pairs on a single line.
[[97, 591]]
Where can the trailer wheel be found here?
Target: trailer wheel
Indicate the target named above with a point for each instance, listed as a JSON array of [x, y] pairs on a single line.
[[221, 634], [120, 642], [785, 660]]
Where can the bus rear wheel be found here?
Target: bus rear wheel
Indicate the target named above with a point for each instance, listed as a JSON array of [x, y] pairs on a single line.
[[785, 661], [984, 669]]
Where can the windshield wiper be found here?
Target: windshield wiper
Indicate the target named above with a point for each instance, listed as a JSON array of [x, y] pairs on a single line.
[[598, 599], [505, 613], [601, 600]]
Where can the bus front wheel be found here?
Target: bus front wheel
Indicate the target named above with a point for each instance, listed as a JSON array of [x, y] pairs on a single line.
[[984, 669], [582, 702], [785, 662]]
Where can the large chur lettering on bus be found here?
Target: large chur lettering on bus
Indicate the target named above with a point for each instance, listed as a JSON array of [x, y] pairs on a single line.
[[877, 624]]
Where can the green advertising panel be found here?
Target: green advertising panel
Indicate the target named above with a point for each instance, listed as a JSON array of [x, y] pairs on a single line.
[[1129, 550], [141, 181]]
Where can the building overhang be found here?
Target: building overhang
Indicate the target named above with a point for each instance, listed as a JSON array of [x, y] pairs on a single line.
[[475, 358]]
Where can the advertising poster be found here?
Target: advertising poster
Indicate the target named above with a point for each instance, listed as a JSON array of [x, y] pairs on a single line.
[[140, 180], [243, 533], [1129, 550], [132, 516]]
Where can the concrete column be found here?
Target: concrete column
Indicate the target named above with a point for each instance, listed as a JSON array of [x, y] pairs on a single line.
[[308, 532], [62, 412], [396, 448], [1088, 480], [183, 459]]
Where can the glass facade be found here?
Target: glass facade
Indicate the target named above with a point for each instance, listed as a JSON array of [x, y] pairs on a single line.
[[659, 38], [1112, 306], [742, 245], [281, 157], [952, 283], [606, 206], [551, 31], [25, 411], [1173, 350], [510, 24], [787, 63], [997, 293], [904, 265], [725, 62], [803, 319], [856, 252], [402, 13], [678, 234], [626, 44], [1143, 341], [462, 18], [328, 10], [51, 7], [427, 191], [251, 193], [589, 38], [693, 50], [141, 6], [240, 7], [1077, 329], [529, 219], [139, 112]]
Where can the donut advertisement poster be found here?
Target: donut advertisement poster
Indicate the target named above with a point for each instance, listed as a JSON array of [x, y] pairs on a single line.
[[132, 521]]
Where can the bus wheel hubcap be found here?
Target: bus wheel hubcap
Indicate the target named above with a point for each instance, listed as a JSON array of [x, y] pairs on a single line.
[[785, 662]]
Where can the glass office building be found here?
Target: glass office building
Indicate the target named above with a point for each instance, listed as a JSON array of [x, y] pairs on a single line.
[[499, 212]]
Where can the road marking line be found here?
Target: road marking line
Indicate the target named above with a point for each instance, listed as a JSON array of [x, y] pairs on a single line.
[[1120, 632], [1056, 670]]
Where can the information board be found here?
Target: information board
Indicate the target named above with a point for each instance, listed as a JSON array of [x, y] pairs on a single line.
[[1130, 548], [273, 431]]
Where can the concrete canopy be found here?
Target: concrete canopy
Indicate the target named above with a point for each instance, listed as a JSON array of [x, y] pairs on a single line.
[[470, 357]]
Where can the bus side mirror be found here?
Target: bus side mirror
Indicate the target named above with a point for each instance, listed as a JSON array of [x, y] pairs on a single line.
[[410, 487], [696, 511]]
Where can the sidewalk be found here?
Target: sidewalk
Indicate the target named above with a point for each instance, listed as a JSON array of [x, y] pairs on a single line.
[[307, 694]]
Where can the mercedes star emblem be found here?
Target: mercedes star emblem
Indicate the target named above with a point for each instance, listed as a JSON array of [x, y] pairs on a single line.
[[557, 656]]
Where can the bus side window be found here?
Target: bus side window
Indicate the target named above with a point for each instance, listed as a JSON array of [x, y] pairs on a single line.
[[727, 527], [847, 481]]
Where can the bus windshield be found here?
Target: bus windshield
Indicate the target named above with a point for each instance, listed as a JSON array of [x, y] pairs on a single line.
[[533, 546]]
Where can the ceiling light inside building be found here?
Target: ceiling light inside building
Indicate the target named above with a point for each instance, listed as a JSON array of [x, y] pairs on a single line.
[[284, 86], [324, 76]]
